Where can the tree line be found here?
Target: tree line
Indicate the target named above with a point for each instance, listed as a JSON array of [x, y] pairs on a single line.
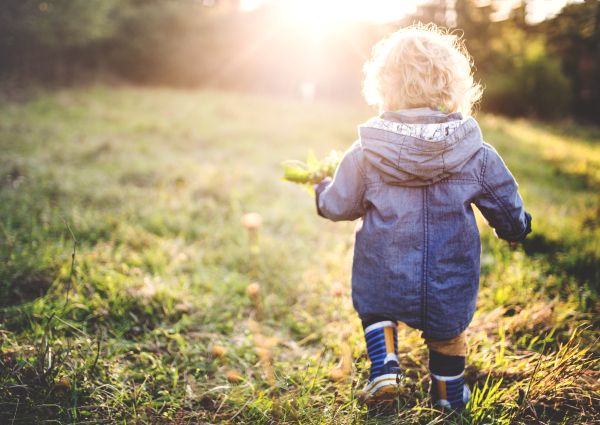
[[547, 70]]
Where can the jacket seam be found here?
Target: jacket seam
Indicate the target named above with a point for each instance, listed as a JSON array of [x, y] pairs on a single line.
[[402, 119], [362, 173], [451, 181], [358, 201], [482, 175], [362, 190], [483, 168], [466, 134], [443, 153], [400, 151], [504, 208]]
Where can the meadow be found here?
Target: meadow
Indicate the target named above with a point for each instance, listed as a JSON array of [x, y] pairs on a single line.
[[131, 293]]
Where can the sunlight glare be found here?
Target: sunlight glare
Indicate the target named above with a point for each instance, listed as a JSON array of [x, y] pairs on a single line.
[[322, 14]]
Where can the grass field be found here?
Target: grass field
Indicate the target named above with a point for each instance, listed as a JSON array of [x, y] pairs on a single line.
[[154, 319]]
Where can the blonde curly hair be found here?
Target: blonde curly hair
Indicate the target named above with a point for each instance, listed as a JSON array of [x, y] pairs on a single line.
[[421, 66]]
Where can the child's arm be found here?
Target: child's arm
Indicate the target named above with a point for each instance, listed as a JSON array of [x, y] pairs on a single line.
[[342, 198], [500, 202]]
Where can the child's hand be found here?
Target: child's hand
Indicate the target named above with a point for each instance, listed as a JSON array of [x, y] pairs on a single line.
[[313, 171], [326, 179]]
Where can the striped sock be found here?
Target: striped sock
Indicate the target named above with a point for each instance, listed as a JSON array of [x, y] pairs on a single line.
[[382, 348], [448, 380], [448, 390]]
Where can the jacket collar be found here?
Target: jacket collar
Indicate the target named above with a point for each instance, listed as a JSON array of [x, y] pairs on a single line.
[[420, 119]]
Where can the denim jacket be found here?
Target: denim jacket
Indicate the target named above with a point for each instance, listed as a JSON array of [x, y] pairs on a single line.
[[412, 182]]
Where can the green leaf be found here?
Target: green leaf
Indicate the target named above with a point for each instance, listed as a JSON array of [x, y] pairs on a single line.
[[312, 161], [313, 171]]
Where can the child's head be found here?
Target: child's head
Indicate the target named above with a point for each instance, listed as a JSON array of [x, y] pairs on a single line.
[[421, 66]]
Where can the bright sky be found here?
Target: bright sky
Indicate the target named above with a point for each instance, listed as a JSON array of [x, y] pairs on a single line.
[[342, 10], [323, 12], [542, 9]]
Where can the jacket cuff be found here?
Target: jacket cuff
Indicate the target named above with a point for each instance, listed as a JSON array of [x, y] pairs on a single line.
[[319, 188], [524, 233]]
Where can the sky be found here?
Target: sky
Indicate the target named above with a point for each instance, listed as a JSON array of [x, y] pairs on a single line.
[[322, 12], [344, 10]]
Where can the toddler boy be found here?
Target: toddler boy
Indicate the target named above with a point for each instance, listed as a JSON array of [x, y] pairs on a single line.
[[411, 179]]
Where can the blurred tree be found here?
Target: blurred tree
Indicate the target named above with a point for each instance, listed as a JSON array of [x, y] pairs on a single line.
[[44, 38], [531, 83], [474, 21], [209, 43], [510, 59], [150, 39], [433, 11], [574, 35], [56, 23]]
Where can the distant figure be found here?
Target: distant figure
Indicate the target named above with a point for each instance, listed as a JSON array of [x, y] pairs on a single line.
[[411, 179], [308, 90]]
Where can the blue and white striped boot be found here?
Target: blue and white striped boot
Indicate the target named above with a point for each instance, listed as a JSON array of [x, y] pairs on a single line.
[[448, 387], [386, 374]]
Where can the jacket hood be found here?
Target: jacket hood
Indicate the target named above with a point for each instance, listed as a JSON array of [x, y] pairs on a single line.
[[420, 150]]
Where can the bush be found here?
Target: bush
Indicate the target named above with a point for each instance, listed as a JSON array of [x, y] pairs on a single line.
[[535, 86]]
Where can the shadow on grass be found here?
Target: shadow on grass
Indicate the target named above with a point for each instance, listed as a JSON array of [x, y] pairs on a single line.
[[24, 286], [565, 257]]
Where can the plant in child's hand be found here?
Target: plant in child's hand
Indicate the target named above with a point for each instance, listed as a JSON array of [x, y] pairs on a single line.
[[313, 171]]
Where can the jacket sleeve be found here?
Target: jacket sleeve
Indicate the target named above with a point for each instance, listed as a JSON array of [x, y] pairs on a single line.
[[500, 201], [342, 198]]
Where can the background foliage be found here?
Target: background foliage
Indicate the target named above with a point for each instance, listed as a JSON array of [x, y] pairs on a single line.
[[548, 70]]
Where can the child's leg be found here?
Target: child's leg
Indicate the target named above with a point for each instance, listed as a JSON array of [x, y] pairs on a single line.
[[447, 369], [381, 335], [382, 347]]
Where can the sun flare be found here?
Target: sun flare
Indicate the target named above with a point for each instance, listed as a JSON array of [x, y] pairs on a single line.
[[318, 15]]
